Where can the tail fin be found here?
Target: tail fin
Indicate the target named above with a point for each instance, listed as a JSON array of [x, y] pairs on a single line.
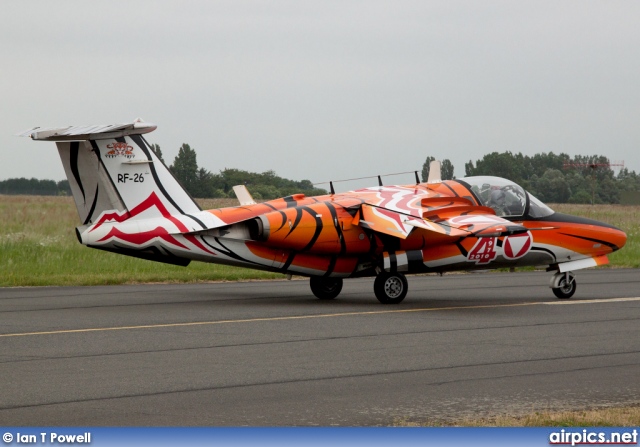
[[113, 169], [434, 172]]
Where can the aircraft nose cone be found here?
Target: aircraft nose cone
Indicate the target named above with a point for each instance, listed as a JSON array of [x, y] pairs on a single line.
[[618, 238], [613, 237], [600, 232]]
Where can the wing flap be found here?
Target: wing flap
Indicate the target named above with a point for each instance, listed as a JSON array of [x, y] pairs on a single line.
[[454, 221], [382, 220]]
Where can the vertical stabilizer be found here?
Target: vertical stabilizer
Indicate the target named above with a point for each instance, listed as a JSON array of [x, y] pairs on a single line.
[[90, 185], [112, 168], [139, 176], [434, 172]]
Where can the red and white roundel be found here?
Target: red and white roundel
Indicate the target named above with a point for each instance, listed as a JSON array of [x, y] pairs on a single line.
[[517, 246]]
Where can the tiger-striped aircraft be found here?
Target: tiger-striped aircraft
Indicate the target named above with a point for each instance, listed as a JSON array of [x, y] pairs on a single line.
[[130, 203]]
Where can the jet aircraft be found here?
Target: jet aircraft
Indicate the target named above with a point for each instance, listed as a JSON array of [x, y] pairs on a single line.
[[130, 203]]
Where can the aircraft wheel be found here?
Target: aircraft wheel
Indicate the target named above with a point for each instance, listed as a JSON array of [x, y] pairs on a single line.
[[566, 286], [325, 288], [390, 288]]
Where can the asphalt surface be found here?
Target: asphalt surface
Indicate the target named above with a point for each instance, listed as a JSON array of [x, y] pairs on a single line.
[[268, 353]]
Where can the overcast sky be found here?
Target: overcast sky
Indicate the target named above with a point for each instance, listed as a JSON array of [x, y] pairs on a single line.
[[324, 90]]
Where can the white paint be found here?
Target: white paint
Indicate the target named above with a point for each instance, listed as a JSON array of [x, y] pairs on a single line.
[[604, 300]]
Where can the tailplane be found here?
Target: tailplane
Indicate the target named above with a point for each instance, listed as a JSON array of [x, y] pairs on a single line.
[[113, 170], [127, 199]]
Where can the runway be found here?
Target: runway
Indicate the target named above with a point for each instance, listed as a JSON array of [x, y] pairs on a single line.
[[268, 353]]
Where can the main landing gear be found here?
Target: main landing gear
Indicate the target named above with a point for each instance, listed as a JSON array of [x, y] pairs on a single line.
[[563, 285], [325, 288], [390, 288]]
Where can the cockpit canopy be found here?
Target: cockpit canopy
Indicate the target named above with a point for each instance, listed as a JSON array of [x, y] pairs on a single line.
[[505, 197]]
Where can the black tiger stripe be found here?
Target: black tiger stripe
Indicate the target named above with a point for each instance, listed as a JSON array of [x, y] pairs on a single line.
[[451, 189], [270, 206], [599, 241], [96, 150], [317, 232], [93, 206], [336, 224], [464, 252], [290, 201], [138, 140], [332, 265], [284, 220], [74, 153], [286, 265], [297, 221], [228, 252], [553, 255], [204, 227]]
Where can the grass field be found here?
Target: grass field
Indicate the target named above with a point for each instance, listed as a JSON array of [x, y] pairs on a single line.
[[601, 417], [38, 247]]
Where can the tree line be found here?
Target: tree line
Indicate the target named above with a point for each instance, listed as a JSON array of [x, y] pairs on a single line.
[[553, 178], [200, 182], [559, 178], [34, 187]]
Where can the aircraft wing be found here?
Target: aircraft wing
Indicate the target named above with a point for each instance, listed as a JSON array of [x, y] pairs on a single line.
[[458, 219]]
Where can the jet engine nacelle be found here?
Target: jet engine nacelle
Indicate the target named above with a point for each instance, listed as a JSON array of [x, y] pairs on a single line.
[[316, 228]]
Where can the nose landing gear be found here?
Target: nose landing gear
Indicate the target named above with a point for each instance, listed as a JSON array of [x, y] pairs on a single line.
[[563, 285]]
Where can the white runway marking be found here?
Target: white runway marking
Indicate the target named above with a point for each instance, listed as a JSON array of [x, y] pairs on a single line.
[[312, 316], [605, 300]]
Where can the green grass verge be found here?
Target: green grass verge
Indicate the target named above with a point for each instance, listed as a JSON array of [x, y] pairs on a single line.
[[38, 247], [626, 218], [602, 417]]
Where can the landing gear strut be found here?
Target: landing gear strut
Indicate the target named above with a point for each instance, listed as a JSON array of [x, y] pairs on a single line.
[[563, 285], [390, 288], [325, 288]]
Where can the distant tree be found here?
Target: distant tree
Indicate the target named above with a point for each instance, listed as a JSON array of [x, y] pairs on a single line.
[[446, 169], [278, 186], [32, 186], [63, 188], [581, 196], [628, 180], [204, 186], [158, 152], [425, 168], [557, 177], [506, 165], [552, 187], [469, 169], [185, 168]]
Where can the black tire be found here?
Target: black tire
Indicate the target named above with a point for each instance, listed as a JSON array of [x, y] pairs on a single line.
[[565, 290], [390, 288], [325, 288]]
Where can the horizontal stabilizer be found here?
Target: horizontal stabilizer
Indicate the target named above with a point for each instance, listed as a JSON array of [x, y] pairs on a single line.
[[94, 132]]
